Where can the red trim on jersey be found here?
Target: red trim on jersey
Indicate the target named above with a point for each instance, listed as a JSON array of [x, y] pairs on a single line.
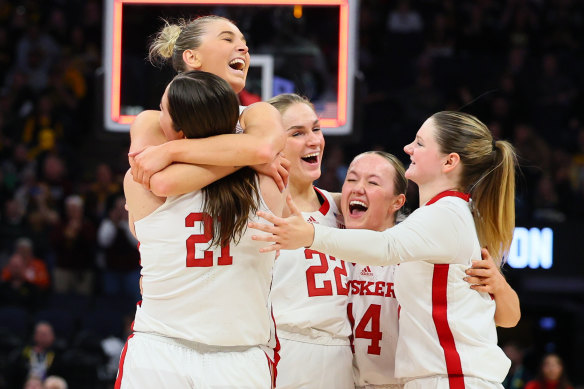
[[446, 193], [324, 208], [276, 352], [445, 337], [121, 365], [272, 369]]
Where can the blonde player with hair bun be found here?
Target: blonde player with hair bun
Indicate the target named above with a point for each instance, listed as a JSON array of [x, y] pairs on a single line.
[[213, 44], [466, 180]]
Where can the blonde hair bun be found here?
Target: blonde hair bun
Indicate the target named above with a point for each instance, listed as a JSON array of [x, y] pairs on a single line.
[[163, 46]]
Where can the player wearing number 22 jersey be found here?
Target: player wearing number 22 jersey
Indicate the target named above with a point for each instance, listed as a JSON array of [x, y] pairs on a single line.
[[310, 295]]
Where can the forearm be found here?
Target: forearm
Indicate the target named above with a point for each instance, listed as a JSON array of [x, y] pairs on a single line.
[[222, 150], [365, 247], [508, 311], [179, 179]]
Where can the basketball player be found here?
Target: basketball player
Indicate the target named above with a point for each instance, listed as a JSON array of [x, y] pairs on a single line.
[[373, 194], [310, 291], [213, 44], [205, 316], [447, 331]]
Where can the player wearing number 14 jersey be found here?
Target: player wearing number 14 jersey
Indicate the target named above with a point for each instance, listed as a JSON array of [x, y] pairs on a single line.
[[205, 318], [373, 193], [310, 292]]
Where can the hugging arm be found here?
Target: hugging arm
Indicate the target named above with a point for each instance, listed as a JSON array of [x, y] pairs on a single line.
[[260, 144], [413, 239], [485, 276]]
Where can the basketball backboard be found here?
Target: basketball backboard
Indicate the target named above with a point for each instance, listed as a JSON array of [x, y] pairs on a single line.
[[302, 46]]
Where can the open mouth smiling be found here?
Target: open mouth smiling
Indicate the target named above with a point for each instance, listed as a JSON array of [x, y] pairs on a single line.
[[310, 158], [237, 64], [357, 208]]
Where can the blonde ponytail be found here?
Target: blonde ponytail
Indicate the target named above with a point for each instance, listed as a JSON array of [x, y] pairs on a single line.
[[488, 174]]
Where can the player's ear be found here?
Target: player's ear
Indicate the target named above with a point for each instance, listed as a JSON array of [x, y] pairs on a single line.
[[192, 59], [452, 161], [399, 202]]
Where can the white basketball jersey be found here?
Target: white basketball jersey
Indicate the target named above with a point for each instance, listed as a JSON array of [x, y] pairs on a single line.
[[214, 296], [373, 312], [446, 328], [238, 128], [310, 288]]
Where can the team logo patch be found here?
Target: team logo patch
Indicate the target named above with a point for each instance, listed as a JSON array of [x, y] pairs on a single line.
[[367, 272]]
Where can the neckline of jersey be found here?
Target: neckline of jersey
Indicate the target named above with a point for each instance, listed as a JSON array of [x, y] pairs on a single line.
[[446, 193]]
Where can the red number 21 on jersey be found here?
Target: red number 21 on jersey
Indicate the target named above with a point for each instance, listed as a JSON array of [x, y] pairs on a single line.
[[205, 237]]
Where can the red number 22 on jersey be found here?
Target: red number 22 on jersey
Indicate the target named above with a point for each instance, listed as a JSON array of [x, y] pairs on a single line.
[[326, 289]]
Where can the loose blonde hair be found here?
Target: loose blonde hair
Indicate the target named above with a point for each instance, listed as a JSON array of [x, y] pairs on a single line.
[[173, 39], [488, 174]]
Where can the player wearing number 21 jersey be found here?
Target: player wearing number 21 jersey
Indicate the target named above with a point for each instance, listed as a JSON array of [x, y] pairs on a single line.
[[205, 319]]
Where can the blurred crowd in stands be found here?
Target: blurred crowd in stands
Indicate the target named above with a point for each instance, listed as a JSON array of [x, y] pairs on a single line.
[[69, 265]]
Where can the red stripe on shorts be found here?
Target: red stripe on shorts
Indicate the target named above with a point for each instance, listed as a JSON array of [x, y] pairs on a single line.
[[440, 316], [121, 366]]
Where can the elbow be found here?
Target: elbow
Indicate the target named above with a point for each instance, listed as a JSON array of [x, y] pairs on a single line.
[[515, 321], [509, 322], [161, 187]]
